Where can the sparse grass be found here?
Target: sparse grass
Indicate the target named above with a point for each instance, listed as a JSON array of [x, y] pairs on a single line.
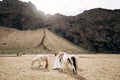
[[15, 41], [91, 67]]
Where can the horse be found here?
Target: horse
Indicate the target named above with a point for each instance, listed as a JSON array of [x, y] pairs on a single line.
[[40, 58], [68, 59]]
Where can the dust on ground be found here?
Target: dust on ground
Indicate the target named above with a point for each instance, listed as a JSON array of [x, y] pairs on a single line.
[[90, 67]]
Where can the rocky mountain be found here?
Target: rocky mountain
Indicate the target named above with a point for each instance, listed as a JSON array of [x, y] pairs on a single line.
[[97, 29], [20, 15]]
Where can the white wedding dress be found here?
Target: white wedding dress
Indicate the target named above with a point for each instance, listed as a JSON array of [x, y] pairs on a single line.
[[57, 64]]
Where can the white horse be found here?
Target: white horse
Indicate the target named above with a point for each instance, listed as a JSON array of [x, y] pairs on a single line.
[[68, 59], [40, 58]]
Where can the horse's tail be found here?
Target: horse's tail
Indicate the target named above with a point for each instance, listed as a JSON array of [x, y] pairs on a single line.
[[74, 64], [46, 66]]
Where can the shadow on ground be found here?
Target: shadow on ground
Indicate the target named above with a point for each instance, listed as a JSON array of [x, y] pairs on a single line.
[[71, 74], [39, 69]]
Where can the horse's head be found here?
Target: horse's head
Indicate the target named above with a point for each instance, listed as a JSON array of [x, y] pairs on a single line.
[[60, 55]]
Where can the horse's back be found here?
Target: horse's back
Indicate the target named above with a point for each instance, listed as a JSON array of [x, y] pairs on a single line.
[[40, 56]]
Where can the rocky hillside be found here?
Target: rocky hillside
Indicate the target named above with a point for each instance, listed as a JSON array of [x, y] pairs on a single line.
[[20, 15], [96, 30]]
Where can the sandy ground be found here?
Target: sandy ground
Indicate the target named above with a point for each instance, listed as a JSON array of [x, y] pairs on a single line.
[[90, 67]]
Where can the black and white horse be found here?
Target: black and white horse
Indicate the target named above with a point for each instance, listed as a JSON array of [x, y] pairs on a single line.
[[68, 59]]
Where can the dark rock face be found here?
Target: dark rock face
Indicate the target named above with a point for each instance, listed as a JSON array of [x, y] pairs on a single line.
[[20, 15], [97, 30]]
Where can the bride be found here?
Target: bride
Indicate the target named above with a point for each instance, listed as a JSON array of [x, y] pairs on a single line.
[[57, 64]]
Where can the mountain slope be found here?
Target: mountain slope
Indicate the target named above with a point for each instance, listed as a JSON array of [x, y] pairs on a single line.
[[96, 30], [31, 40]]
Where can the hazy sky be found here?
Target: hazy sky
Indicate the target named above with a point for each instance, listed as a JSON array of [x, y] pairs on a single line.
[[73, 7]]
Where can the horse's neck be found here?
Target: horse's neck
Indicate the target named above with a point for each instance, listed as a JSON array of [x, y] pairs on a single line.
[[65, 56]]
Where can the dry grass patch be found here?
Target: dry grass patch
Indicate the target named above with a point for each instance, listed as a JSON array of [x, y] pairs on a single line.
[[91, 67]]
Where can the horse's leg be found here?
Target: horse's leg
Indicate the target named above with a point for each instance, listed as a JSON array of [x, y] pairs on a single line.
[[39, 64], [47, 63], [66, 66], [73, 68]]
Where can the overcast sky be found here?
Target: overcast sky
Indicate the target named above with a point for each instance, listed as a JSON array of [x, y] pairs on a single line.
[[73, 7]]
